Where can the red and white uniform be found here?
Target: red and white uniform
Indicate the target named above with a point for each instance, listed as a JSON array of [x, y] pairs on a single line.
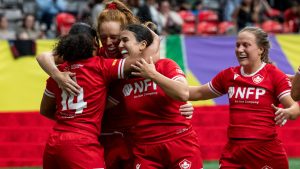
[[115, 123], [158, 124], [250, 99], [79, 117]]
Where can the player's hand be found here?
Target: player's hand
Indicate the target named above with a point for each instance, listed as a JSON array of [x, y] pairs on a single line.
[[281, 115], [66, 83], [144, 69], [187, 110]]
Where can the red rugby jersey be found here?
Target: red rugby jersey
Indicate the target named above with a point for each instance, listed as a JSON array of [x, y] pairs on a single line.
[[83, 113], [156, 116], [116, 118], [250, 99]]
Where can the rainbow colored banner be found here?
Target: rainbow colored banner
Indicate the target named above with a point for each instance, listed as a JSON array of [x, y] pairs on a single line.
[[22, 81]]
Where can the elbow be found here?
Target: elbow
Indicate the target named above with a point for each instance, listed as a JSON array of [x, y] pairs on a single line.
[[184, 96]]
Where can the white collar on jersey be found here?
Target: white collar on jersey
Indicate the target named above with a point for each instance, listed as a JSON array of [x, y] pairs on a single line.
[[249, 75]]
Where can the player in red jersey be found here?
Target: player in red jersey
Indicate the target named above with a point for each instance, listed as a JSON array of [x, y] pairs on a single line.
[[115, 122], [162, 137], [296, 86], [74, 141], [255, 88]]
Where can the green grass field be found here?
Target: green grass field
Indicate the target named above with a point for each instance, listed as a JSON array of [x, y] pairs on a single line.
[[294, 164]]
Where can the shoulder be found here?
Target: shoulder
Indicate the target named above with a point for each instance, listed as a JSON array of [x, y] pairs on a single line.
[[270, 68], [165, 61], [235, 69]]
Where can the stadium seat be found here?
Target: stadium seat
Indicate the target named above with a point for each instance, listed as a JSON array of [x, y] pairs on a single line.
[[290, 19], [272, 26], [13, 14], [273, 13], [207, 28], [188, 28], [64, 21], [187, 16], [208, 16], [225, 27], [289, 26]]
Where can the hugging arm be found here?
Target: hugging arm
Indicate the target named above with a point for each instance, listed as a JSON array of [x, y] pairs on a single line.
[[175, 88], [295, 93], [201, 93], [290, 111], [64, 80], [48, 107]]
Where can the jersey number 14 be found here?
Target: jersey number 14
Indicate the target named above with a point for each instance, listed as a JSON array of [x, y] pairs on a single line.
[[68, 102]]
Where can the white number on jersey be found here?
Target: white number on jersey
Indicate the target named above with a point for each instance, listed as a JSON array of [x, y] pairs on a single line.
[[68, 102]]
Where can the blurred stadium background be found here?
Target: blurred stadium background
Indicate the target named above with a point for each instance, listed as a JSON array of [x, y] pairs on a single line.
[[202, 44]]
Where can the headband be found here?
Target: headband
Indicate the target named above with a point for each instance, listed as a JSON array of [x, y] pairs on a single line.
[[111, 6]]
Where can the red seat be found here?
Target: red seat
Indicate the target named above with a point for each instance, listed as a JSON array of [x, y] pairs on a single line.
[[188, 28], [273, 12], [208, 15], [224, 27], [290, 19], [187, 16], [207, 28], [272, 26], [289, 26], [64, 22]]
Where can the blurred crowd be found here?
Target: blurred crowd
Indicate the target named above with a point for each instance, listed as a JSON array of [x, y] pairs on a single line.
[[35, 19]]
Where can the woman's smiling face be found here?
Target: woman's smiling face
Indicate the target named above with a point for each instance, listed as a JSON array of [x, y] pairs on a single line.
[[246, 50], [129, 45], [110, 36]]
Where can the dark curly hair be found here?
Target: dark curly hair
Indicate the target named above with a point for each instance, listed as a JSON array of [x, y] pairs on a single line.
[[78, 44]]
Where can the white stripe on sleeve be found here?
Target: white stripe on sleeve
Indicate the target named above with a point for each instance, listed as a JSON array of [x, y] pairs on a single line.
[[178, 77], [284, 93], [211, 87], [113, 100], [49, 94]]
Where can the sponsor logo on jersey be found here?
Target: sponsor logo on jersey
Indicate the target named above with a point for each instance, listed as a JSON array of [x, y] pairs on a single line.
[[179, 71], [137, 166], [245, 92], [114, 62], [185, 164], [266, 167], [235, 76], [257, 78], [140, 88], [76, 66]]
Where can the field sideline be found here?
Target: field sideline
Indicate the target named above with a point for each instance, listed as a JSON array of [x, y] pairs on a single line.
[[294, 164]]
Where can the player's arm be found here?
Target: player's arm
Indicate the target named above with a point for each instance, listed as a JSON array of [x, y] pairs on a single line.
[[111, 102], [46, 61], [295, 93], [290, 111], [48, 107], [202, 92], [176, 89]]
